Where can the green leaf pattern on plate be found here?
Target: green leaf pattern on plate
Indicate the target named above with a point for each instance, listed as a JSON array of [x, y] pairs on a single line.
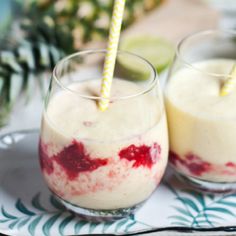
[[189, 209], [193, 209], [36, 218]]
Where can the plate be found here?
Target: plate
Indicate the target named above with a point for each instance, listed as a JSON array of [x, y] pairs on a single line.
[[27, 207]]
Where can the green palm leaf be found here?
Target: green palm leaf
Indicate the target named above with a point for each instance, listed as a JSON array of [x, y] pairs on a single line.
[[183, 211], [92, 227], [227, 203], [189, 202], [21, 207], [64, 223], [197, 196], [32, 226], [56, 204], [203, 215], [4, 221], [79, 226], [119, 224], [106, 226], [7, 215], [220, 210], [181, 218], [23, 222], [36, 203], [13, 224], [49, 223], [130, 225]]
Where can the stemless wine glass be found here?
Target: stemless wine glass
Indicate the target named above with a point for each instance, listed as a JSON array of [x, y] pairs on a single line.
[[103, 164], [201, 122]]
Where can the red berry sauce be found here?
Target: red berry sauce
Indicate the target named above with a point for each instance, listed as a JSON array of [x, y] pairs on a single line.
[[193, 163], [73, 160], [45, 162], [142, 155]]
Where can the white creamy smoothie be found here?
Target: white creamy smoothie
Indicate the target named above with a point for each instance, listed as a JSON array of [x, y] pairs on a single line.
[[202, 124], [103, 160]]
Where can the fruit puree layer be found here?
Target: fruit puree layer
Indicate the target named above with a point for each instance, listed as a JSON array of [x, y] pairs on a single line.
[[202, 124], [103, 160]]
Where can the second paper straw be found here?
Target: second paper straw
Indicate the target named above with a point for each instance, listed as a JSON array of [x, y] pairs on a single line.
[[110, 59]]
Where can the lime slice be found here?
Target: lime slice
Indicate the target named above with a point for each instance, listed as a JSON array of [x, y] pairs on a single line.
[[158, 51]]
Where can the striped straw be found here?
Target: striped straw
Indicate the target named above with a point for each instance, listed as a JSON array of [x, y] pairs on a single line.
[[230, 82], [110, 59]]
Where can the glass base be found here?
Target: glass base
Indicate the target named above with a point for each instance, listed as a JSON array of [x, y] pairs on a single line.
[[99, 215], [207, 186]]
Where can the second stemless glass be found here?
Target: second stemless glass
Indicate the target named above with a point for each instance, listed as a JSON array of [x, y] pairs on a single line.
[[201, 123], [103, 164]]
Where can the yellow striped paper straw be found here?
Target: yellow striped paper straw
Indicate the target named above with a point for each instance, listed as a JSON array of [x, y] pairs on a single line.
[[110, 59], [230, 82]]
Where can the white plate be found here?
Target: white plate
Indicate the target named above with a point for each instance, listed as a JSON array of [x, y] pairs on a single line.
[[28, 209]]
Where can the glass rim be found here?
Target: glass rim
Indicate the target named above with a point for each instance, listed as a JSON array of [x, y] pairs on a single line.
[[229, 32], [149, 87]]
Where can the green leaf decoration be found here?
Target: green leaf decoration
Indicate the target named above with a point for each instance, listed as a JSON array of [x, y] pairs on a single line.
[[106, 225], [20, 207], [13, 224], [227, 203], [7, 215], [92, 226], [203, 215], [189, 202], [181, 218], [23, 222], [130, 225], [79, 226], [4, 221], [64, 223], [198, 196], [49, 223], [183, 211], [32, 226], [120, 224], [56, 203], [220, 210], [36, 203], [207, 209]]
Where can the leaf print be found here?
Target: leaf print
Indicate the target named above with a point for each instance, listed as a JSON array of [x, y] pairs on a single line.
[[7, 215], [120, 224], [20, 206], [183, 211], [189, 202], [49, 223], [4, 221], [23, 222], [56, 203], [36, 203], [129, 226], [12, 225], [220, 209], [79, 226], [64, 223], [181, 218], [228, 203], [32, 226], [106, 226], [92, 226], [202, 215]]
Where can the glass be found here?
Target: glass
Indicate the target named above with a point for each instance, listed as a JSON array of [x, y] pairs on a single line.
[[202, 126], [103, 165]]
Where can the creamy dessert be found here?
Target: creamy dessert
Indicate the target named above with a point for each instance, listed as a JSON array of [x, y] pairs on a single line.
[[103, 160], [202, 124]]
